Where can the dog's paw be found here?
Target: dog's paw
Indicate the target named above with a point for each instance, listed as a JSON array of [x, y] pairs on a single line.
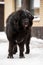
[[10, 56]]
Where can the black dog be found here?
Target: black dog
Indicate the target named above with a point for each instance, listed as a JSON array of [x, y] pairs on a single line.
[[18, 30]]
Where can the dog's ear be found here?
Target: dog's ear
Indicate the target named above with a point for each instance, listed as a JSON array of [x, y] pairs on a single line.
[[31, 20], [31, 17]]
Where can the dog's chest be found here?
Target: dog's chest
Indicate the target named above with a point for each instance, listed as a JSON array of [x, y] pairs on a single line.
[[21, 36]]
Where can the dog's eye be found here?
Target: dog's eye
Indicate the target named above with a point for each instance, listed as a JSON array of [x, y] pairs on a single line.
[[15, 23], [25, 20]]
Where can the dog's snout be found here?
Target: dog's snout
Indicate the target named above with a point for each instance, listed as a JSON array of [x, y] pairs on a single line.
[[26, 22]]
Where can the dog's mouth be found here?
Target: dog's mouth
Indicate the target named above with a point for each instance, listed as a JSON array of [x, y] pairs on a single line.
[[26, 25]]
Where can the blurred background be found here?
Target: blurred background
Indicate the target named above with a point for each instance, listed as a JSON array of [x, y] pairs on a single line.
[[35, 57]]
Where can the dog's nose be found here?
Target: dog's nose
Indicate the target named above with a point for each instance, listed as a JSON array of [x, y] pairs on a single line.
[[26, 22]]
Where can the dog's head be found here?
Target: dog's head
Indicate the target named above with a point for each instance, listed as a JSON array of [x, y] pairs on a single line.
[[25, 18]]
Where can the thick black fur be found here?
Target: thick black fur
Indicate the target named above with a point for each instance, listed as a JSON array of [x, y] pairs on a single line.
[[17, 33]]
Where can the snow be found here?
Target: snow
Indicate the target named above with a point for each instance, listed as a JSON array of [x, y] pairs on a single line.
[[35, 57], [3, 37]]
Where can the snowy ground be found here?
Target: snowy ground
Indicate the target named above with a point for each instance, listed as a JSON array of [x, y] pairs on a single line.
[[34, 58]]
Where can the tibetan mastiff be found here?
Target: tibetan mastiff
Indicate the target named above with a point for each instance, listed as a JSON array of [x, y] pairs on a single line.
[[18, 31]]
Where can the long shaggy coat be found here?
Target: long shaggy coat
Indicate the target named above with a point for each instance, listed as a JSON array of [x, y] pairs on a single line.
[[18, 31]]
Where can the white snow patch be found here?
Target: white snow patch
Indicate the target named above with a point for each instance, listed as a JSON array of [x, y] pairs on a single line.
[[34, 58], [3, 37]]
